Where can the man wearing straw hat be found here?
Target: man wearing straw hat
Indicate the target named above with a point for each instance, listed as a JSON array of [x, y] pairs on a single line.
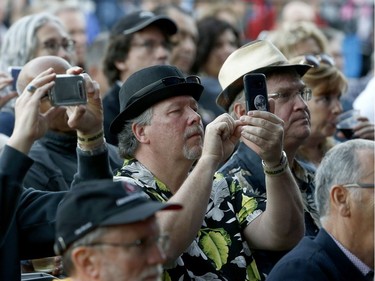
[[287, 96]]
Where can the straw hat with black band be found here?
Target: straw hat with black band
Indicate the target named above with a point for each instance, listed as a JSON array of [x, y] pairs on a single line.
[[256, 56]]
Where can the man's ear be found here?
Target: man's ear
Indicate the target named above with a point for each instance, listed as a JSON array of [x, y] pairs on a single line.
[[340, 200], [86, 262], [139, 132], [239, 109]]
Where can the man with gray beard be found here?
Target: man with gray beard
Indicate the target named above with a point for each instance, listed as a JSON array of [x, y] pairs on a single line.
[[161, 137]]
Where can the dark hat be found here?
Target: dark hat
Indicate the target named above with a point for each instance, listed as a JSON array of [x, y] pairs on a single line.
[[149, 86], [138, 20], [256, 56], [101, 203]]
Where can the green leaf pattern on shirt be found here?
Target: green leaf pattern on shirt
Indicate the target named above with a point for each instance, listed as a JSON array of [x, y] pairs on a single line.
[[215, 244]]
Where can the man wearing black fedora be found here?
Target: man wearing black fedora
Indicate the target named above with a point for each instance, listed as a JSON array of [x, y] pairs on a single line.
[[161, 136], [140, 39], [289, 94]]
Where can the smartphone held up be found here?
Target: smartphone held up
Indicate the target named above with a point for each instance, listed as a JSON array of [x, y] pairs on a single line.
[[255, 89]]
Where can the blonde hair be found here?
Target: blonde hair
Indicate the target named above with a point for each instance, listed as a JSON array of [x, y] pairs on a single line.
[[288, 36]]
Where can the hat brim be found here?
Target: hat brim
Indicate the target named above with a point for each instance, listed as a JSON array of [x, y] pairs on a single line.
[[140, 105], [165, 23], [226, 97], [139, 213]]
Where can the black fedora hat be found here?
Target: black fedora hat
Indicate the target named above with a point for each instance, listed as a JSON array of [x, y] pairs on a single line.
[[149, 86]]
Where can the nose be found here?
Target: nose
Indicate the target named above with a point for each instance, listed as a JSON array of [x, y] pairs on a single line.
[[337, 107], [188, 45], [162, 52], [299, 102], [62, 53], [156, 255], [195, 117]]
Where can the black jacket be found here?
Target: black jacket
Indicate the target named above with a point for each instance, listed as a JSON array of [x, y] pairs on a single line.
[[27, 216]]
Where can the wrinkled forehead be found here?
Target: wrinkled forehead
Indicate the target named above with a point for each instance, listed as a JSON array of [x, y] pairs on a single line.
[[284, 81]]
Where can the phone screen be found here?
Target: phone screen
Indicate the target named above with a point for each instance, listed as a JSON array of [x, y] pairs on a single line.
[[255, 88], [14, 72]]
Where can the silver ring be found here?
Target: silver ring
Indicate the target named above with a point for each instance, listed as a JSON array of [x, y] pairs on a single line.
[[31, 88]]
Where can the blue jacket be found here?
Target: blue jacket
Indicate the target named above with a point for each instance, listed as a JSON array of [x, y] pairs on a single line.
[[316, 259]]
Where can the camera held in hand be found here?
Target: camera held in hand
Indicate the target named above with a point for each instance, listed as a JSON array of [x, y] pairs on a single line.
[[68, 90]]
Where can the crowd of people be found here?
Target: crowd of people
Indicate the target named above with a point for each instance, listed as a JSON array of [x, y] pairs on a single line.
[[163, 173]]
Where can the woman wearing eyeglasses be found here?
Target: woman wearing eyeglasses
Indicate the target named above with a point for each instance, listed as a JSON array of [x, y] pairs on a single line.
[[328, 84], [29, 37]]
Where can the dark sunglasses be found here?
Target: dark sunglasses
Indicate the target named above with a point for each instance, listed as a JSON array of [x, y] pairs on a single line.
[[168, 81], [316, 60]]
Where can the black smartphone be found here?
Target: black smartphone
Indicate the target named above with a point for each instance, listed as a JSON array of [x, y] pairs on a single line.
[[14, 72], [68, 90], [255, 89]]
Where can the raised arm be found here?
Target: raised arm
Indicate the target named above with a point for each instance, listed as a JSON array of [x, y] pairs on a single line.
[[220, 139], [281, 225]]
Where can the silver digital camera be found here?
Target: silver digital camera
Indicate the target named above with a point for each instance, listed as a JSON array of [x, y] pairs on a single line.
[[68, 90]]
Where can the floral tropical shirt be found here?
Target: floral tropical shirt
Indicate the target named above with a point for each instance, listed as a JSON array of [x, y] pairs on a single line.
[[219, 252], [246, 166]]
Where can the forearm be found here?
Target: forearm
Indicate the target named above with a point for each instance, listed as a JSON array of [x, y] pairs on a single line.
[[92, 164], [183, 226], [13, 167], [281, 225]]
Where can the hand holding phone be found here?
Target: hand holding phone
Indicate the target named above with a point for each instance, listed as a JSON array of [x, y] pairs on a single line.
[[255, 89]]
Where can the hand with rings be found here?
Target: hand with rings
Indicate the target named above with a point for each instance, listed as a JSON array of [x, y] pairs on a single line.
[[30, 123], [31, 89]]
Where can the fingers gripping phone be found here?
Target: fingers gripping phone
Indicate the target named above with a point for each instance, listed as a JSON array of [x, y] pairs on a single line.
[[68, 90], [255, 89]]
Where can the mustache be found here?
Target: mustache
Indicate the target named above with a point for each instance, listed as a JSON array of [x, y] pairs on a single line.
[[194, 130]]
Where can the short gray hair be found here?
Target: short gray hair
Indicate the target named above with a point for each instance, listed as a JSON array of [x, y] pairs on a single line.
[[127, 142], [91, 237], [341, 165]]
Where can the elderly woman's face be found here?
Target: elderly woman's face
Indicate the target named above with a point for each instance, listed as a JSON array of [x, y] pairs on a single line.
[[54, 40]]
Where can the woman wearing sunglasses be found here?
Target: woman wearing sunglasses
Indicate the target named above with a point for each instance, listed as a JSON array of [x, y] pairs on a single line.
[[328, 84]]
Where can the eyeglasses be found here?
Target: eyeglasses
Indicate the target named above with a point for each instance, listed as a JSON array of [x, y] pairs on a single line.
[[316, 60], [53, 46], [151, 45], [359, 184], [139, 246], [305, 94], [168, 81]]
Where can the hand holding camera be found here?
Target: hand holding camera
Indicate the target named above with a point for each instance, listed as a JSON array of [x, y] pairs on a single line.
[[86, 118]]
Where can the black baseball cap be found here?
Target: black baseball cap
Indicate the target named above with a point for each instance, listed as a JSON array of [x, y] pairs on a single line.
[[138, 20], [149, 86], [101, 203]]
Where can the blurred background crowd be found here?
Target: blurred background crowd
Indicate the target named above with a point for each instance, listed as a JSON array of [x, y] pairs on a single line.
[[354, 18], [215, 29]]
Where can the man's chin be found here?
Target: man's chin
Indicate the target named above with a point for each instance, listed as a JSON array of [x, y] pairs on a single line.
[[193, 153]]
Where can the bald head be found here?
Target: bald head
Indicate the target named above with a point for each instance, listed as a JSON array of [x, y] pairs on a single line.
[[34, 67]]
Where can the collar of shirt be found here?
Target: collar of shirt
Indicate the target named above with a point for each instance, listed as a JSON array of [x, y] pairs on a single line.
[[356, 261]]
